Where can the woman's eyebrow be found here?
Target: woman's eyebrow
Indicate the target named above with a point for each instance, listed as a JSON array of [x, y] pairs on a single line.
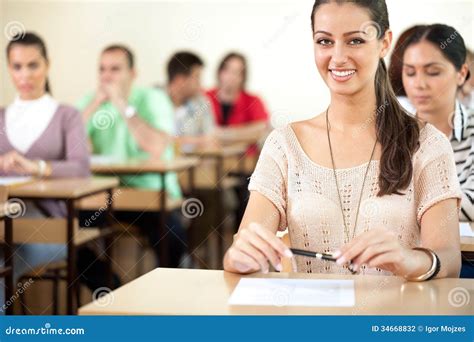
[[344, 34]]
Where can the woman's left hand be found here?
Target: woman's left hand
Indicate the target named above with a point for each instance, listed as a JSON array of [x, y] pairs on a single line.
[[377, 248], [14, 162]]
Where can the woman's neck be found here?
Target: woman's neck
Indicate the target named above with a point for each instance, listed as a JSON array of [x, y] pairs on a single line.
[[228, 95], [441, 118], [31, 97], [349, 113]]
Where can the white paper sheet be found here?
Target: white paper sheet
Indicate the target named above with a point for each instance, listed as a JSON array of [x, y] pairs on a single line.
[[14, 180], [465, 229], [293, 292], [98, 159]]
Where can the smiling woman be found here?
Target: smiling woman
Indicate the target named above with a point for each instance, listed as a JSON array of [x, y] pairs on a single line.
[[363, 180]]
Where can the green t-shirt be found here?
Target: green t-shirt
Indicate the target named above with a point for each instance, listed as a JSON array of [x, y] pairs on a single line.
[[110, 135]]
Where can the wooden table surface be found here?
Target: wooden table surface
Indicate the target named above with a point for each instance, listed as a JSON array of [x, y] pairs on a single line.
[[206, 292], [63, 188], [214, 152], [133, 166]]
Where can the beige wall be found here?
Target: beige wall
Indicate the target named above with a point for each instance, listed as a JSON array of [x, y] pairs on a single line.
[[274, 35]]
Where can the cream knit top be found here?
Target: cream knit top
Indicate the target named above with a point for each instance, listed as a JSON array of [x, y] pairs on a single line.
[[306, 197]]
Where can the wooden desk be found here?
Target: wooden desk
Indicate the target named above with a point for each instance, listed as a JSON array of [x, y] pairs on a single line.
[[7, 211], [160, 167], [68, 190], [206, 292]]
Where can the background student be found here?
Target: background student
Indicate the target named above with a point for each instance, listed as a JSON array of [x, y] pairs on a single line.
[[433, 73], [124, 121]]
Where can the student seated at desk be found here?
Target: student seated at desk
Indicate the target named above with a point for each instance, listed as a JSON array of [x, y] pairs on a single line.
[[43, 138], [194, 118], [238, 113], [364, 180], [124, 121], [433, 73]]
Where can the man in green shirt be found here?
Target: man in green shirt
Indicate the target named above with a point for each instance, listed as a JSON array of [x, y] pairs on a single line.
[[125, 122]]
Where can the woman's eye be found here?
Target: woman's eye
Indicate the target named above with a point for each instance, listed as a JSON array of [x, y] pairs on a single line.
[[433, 73], [356, 41], [323, 42], [409, 73]]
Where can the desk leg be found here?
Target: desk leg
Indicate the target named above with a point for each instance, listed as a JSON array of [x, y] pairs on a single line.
[[71, 258], [109, 238], [220, 210], [9, 263], [164, 239]]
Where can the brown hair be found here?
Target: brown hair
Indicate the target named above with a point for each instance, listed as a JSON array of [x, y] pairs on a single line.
[[30, 39], [128, 53], [397, 131], [230, 56]]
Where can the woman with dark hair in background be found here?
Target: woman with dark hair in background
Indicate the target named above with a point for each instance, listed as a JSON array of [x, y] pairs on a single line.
[[363, 180], [434, 70], [43, 139], [241, 113]]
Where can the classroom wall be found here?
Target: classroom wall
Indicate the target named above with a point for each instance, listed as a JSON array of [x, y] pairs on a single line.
[[275, 35]]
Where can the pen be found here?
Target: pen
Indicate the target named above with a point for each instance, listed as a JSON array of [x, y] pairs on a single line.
[[318, 255]]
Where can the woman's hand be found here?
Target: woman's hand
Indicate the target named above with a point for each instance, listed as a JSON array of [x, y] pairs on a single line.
[[381, 248], [254, 247], [14, 162]]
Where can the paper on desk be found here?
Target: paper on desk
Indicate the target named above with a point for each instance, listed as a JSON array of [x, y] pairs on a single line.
[[104, 159], [293, 292], [465, 229], [14, 180]]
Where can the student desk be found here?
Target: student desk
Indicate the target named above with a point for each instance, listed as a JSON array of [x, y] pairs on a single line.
[[206, 292], [147, 200], [219, 163], [7, 211], [59, 230]]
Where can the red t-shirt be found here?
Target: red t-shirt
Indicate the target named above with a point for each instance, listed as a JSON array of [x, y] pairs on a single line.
[[247, 108]]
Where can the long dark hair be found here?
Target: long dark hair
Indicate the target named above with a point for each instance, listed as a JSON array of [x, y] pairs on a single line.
[[397, 131], [30, 39], [446, 39]]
